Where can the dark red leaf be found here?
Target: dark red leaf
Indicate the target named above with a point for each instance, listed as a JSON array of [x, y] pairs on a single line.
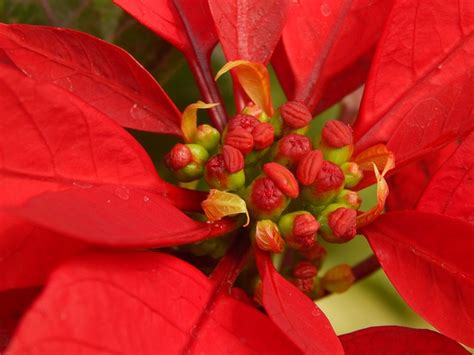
[[141, 303], [29, 253], [12, 306], [118, 216], [99, 74], [407, 185], [428, 258], [249, 30], [185, 24], [419, 92], [326, 48], [392, 340], [450, 191], [294, 313]]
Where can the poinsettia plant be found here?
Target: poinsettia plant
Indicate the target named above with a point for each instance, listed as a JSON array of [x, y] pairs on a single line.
[[84, 211]]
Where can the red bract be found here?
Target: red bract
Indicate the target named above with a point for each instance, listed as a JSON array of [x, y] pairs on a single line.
[[73, 179]]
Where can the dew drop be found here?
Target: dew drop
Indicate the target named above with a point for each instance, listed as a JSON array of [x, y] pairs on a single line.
[[122, 192], [146, 199], [325, 9], [108, 201], [82, 185], [25, 72]]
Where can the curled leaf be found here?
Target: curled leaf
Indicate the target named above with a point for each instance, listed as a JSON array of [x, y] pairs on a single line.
[[220, 204], [382, 193], [377, 154], [255, 81], [189, 119]]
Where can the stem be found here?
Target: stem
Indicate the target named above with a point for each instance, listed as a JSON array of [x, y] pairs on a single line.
[[365, 268], [199, 65], [230, 266]]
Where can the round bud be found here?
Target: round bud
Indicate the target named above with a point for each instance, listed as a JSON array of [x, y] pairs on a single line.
[[305, 270], [315, 254], [299, 229], [283, 179], [246, 122], [336, 142], [264, 199], [290, 149], [263, 135], [219, 177], [179, 156], [349, 199], [207, 136], [338, 223], [328, 184], [194, 169], [352, 174], [240, 139], [309, 167], [295, 115], [338, 279]]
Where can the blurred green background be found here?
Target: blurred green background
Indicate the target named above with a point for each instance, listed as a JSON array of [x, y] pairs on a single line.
[[370, 302]]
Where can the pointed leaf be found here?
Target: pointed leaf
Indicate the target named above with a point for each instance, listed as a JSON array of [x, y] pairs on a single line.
[[189, 119], [392, 340], [220, 204], [37, 250], [294, 313], [141, 303], [326, 48], [450, 191], [428, 258], [419, 93], [255, 81], [187, 25], [249, 30], [117, 216], [100, 75]]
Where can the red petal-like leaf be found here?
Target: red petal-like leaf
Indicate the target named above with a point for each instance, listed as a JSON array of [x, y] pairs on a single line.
[[29, 253], [428, 258], [141, 303], [450, 191], [249, 30], [118, 216], [97, 73], [12, 306], [185, 24], [407, 185], [419, 92], [392, 340], [294, 313], [326, 48]]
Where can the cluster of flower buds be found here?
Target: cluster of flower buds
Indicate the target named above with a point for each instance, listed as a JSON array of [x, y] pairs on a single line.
[[294, 188]]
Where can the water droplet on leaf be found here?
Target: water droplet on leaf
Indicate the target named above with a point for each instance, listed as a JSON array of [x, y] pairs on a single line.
[[122, 192], [325, 9]]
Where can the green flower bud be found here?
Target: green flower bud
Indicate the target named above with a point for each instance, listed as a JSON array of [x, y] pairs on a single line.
[[338, 279], [327, 185], [219, 176], [299, 229], [349, 199], [207, 136], [186, 161], [336, 142], [352, 174], [338, 223], [264, 199]]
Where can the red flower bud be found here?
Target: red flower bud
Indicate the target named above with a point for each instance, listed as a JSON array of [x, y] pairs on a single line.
[[233, 159], [240, 139], [268, 237], [264, 199], [343, 224], [316, 253], [305, 270], [263, 135], [337, 134], [246, 122], [309, 166], [219, 177], [178, 157], [305, 228], [295, 114], [283, 179], [327, 185], [291, 149]]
